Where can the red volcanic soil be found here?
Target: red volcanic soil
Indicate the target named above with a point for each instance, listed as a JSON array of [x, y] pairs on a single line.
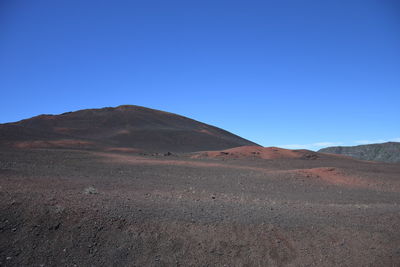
[[123, 149], [53, 144], [63, 207], [258, 152]]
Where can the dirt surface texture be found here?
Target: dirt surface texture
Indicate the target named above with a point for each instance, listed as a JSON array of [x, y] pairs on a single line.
[[70, 207]]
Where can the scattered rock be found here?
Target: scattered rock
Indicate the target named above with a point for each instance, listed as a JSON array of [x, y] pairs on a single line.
[[55, 227], [91, 190], [311, 156]]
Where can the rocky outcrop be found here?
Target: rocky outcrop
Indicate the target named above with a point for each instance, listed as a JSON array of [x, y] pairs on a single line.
[[385, 152]]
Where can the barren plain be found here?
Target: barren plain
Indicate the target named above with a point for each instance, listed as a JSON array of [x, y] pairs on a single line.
[[240, 207]]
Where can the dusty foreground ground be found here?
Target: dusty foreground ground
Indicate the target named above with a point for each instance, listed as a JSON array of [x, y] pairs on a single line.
[[86, 208]]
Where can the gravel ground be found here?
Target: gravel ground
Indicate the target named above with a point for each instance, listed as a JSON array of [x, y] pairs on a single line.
[[90, 208]]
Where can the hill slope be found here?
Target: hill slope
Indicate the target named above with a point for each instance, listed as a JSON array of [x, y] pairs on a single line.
[[122, 126], [386, 152]]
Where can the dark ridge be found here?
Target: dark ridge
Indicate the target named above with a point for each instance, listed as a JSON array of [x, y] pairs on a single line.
[[385, 152]]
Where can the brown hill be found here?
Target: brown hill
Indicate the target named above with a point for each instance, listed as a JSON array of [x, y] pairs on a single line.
[[258, 152], [123, 126]]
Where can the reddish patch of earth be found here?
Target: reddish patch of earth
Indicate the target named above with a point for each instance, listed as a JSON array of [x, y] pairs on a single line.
[[66, 143], [257, 152], [338, 177], [123, 149]]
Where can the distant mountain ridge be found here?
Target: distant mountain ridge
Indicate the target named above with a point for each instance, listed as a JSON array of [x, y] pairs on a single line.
[[123, 126], [385, 152]]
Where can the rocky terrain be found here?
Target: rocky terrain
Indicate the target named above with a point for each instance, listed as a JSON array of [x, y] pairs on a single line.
[[87, 208], [385, 152], [94, 202]]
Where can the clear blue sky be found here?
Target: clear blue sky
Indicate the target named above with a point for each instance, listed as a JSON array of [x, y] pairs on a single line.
[[283, 73]]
